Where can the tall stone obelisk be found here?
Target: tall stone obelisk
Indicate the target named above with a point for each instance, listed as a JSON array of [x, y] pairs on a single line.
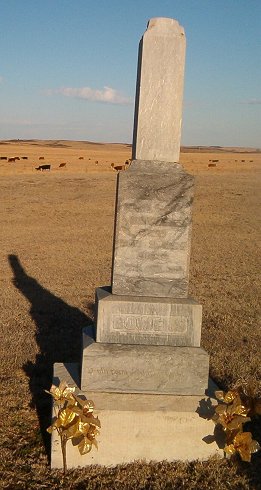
[[159, 93]]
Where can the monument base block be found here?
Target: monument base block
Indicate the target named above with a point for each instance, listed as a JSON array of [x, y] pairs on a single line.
[[147, 320], [156, 369], [141, 427]]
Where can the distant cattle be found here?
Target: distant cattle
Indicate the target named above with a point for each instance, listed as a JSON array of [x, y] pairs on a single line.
[[118, 168], [251, 161], [3, 158], [62, 165], [11, 159], [24, 158], [243, 160], [81, 158], [41, 158], [212, 165], [17, 158], [96, 162], [43, 167]]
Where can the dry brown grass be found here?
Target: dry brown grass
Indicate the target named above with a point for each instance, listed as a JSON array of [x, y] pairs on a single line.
[[55, 248]]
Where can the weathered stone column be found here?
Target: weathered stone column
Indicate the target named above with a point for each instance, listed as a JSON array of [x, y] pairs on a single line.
[[154, 198], [159, 92]]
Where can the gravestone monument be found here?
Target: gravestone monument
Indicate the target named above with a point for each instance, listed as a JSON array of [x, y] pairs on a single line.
[[148, 311], [147, 364]]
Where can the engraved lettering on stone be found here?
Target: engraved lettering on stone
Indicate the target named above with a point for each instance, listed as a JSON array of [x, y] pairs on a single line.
[[150, 324], [120, 372]]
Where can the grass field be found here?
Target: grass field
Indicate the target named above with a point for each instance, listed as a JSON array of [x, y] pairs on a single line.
[[55, 247]]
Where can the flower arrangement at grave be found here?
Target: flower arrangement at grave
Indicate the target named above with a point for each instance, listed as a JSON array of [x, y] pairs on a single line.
[[237, 407], [73, 420]]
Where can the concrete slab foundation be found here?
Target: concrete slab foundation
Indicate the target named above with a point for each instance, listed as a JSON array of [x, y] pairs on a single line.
[[141, 427]]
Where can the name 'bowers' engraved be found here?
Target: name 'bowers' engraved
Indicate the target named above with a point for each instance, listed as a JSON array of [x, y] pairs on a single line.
[[150, 324]]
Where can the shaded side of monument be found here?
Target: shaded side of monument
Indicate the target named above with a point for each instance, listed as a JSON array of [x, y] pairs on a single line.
[[146, 372]]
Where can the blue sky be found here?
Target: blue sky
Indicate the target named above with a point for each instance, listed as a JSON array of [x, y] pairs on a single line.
[[68, 68]]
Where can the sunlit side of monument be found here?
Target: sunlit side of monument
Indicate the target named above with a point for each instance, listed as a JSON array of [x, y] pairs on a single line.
[[146, 371]]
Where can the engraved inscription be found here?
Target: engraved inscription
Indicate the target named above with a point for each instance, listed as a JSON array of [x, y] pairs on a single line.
[[120, 372], [178, 325], [150, 324]]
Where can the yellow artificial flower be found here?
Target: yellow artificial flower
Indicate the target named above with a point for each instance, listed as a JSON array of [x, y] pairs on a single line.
[[244, 445], [65, 417], [228, 397], [86, 441], [62, 392], [243, 395], [74, 420], [63, 420], [86, 406], [231, 416], [84, 446]]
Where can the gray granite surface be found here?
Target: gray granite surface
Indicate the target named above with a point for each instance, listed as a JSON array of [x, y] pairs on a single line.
[[159, 91], [153, 230], [146, 320], [145, 369]]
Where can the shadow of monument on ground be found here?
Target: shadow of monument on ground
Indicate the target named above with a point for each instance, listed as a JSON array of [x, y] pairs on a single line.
[[58, 328]]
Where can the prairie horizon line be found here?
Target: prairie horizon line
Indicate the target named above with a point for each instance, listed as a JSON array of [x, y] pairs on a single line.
[[182, 147]]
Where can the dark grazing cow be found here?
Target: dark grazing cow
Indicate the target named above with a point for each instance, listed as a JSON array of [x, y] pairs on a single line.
[[212, 165], [62, 165], [24, 158], [11, 159], [3, 158], [43, 167], [118, 168], [41, 158]]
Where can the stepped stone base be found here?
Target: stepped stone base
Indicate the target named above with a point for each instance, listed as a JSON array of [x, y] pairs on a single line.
[[158, 369], [147, 320], [141, 427]]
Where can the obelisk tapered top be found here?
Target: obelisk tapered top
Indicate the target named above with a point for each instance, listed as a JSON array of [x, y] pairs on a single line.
[[165, 24], [159, 92]]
